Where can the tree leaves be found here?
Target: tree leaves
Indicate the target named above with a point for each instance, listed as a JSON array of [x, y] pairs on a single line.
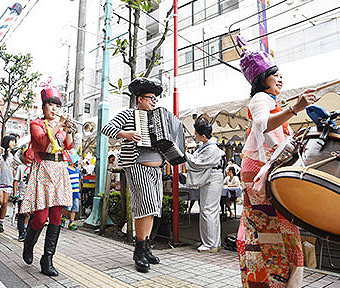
[[16, 85]]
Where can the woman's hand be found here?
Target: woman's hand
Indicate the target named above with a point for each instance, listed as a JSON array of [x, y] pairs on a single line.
[[306, 98], [130, 135], [64, 122]]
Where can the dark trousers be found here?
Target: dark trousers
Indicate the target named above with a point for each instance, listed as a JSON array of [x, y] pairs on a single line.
[[21, 219]]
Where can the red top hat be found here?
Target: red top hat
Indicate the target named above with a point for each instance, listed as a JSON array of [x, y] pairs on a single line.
[[49, 91]]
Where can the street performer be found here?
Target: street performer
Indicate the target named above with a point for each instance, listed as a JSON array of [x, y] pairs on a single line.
[[142, 168], [49, 188], [269, 246]]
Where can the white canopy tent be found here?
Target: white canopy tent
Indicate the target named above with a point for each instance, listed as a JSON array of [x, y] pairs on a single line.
[[230, 118]]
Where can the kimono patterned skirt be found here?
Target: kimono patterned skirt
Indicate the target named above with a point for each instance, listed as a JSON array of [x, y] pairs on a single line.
[[269, 246], [48, 186]]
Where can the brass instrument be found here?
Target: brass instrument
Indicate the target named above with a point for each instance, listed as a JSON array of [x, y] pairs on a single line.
[[73, 123], [89, 129], [285, 101], [55, 146]]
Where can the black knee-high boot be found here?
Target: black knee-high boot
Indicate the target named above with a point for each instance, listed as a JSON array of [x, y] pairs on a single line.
[[51, 240], [139, 255], [30, 241]]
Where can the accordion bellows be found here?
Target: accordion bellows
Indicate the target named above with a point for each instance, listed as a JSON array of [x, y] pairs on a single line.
[[143, 85]]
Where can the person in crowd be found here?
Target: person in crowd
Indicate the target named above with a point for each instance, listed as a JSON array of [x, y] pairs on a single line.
[[205, 171], [231, 163], [75, 178], [111, 165], [231, 188], [6, 176], [269, 246], [19, 188], [142, 168], [17, 136], [49, 188]]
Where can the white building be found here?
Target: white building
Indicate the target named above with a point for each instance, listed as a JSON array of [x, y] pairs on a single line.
[[303, 36]]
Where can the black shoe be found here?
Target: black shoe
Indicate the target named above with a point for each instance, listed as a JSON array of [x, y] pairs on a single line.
[[1, 228], [152, 259], [139, 255], [22, 236], [31, 239], [51, 240]]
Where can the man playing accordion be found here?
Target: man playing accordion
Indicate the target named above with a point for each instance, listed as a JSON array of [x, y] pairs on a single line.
[[142, 168]]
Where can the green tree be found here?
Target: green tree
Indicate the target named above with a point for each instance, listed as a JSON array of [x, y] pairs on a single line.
[[128, 47], [16, 86]]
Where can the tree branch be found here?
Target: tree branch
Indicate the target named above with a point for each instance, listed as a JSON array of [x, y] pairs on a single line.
[[160, 42]]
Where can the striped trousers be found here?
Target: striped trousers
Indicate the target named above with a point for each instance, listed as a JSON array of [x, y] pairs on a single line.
[[146, 190]]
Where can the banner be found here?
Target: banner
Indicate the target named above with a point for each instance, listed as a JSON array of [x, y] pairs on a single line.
[[8, 17], [261, 6]]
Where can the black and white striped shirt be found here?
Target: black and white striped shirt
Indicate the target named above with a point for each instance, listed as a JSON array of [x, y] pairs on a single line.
[[123, 121]]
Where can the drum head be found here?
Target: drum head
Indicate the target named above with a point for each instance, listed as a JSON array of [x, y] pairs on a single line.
[[311, 200]]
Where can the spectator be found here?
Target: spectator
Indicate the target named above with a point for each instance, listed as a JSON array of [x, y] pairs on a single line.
[[231, 163], [75, 178], [231, 190], [19, 188], [6, 175]]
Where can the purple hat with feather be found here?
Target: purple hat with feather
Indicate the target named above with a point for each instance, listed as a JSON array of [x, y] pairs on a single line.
[[253, 63]]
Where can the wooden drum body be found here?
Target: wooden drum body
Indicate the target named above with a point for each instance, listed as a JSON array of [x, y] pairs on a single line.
[[310, 196]]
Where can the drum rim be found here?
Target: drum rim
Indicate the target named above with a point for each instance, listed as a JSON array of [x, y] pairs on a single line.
[[310, 174], [294, 219]]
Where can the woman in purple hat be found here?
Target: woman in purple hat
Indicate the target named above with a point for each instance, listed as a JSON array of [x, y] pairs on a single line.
[[49, 187], [269, 246]]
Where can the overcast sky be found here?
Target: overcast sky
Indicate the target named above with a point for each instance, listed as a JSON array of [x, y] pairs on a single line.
[[42, 33]]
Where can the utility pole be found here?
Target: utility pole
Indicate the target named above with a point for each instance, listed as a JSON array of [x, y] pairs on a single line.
[[175, 198], [78, 106], [103, 118]]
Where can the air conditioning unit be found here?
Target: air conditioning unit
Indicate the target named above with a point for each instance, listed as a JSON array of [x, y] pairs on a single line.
[[289, 2]]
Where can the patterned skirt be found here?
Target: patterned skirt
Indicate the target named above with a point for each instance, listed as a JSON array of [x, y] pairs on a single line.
[[146, 189], [48, 186], [269, 246]]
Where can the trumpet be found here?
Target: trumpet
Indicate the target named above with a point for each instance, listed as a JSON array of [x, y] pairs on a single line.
[[89, 128], [74, 124]]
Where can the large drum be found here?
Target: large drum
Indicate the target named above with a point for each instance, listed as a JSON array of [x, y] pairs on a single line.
[[305, 187]]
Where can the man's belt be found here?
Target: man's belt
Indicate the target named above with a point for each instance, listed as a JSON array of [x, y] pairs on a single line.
[[58, 157]]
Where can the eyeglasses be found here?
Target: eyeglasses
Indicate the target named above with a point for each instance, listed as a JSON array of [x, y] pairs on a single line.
[[153, 98]]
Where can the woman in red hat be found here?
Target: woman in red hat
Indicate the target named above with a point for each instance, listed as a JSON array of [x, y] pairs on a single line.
[[49, 188], [269, 246]]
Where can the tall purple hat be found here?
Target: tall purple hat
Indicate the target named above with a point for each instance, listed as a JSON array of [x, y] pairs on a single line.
[[253, 63]]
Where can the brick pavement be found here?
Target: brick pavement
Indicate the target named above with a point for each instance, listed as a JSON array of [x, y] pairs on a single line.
[[88, 260]]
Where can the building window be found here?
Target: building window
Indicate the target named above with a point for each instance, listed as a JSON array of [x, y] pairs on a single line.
[[226, 6], [185, 60], [71, 96], [198, 11], [228, 50], [70, 110], [87, 108], [152, 31], [221, 47], [318, 39]]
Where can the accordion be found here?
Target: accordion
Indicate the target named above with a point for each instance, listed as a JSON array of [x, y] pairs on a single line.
[[162, 130]]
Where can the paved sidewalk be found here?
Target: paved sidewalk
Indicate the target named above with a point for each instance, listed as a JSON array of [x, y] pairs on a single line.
[[88, 260]]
